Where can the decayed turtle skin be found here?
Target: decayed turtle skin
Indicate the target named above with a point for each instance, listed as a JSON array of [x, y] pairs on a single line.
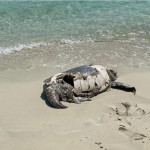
[[81, 84]]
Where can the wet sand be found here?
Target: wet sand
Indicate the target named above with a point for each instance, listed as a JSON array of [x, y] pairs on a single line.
[[56, 57], [114, 120]]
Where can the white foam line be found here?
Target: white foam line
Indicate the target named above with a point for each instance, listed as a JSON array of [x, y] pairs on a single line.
[[68, 41], [7, 50], [19, 47]]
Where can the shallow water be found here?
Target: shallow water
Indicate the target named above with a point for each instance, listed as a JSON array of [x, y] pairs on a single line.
[[59, 35], [121, 56], [26, 22]]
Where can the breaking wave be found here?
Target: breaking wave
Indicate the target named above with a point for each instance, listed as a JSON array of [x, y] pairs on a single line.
[[19, 47]]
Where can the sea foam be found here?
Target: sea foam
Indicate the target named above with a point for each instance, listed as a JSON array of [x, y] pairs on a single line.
[[19, 47]]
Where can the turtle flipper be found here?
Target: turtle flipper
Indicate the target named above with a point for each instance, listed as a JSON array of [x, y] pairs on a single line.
[[53, 97], [123, 86]]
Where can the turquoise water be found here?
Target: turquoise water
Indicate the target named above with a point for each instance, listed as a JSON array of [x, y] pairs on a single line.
[[26, 22], [58, 35]]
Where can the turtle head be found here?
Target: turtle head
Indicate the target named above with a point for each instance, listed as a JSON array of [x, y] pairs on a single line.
[[112, 75]]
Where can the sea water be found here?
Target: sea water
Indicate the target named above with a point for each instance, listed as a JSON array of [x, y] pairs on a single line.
[[63, 34]]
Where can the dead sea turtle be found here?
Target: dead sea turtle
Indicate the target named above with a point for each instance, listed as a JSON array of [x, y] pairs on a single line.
[[81, 84]]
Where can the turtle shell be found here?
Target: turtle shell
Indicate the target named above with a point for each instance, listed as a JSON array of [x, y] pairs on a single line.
[[88, 78], [83, 79]]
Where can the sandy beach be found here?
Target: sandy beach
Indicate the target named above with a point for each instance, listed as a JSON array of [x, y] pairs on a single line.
[[114, 120], [41, 38]]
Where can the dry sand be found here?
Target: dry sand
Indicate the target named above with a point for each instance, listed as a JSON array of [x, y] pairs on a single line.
[[114, 120]]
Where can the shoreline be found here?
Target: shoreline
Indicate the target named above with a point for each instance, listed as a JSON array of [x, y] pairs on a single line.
[[28, 123], [40, 39], [121, 56]]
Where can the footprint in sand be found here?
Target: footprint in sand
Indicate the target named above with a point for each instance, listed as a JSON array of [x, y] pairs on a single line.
[[127, 110], [91, 122], [131, 116], [131, 134]]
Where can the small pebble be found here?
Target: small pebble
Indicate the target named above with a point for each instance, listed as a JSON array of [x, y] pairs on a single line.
[[98, 143]]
